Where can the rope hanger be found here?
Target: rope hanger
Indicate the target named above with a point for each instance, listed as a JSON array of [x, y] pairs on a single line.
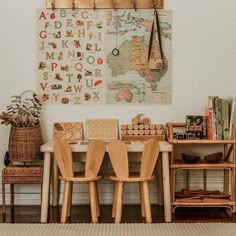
[[134, 2], [73, 5], [53, 5]]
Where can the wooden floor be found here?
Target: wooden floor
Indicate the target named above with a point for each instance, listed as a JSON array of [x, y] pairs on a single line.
[[131, 214]]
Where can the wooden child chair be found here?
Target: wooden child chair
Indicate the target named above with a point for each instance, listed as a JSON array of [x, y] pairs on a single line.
[[119, 159], [94, 157]]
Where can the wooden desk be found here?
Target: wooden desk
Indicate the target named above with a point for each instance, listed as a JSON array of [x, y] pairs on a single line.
[[47, 149]]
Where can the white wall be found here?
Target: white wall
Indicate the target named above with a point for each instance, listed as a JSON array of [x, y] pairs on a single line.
[[204, 57]]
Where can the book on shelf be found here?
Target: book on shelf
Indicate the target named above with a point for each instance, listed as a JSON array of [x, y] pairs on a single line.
[[231, 117], [210, 118], [225, 119], [196, 126], [218, 117]]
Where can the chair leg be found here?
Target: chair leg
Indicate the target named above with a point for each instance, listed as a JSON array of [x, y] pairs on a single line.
[[12, 194], [114, 202], [12, 203], [93, 201], [141, 199], [97, 201], [41, 190], [70, 200], [119, 201], [146, 202], [3, 203], [65, 202]]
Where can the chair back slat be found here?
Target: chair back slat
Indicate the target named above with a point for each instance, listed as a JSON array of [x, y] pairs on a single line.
[[94, 157], [63, 155], [149, 157], [119, 158]]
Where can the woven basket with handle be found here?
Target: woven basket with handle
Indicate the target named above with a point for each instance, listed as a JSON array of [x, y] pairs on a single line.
[[24, 144]]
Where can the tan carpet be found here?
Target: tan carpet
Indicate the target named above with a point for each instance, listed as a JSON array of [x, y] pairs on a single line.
[[171, 229]]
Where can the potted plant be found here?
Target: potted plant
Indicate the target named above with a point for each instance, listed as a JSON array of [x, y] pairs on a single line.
[[23, 114]]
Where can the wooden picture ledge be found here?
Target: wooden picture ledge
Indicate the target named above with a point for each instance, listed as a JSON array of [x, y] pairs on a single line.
[[105, 4]]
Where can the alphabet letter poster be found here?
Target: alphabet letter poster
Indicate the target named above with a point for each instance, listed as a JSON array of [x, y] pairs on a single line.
[[75, 63]]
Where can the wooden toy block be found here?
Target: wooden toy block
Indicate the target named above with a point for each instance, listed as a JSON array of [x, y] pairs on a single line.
[[69, 131], [105, 129], [142, 132]]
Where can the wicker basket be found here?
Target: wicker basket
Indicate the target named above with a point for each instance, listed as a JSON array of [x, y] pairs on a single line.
[[24, 144]]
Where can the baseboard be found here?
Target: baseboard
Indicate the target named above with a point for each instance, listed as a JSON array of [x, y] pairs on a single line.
[[78, 198]]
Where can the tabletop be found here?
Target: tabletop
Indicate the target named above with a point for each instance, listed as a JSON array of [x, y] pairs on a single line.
[[132, 146]]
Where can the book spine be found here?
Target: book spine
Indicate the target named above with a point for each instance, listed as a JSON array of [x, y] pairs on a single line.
[[210, 119], [219, 120], [231, 119], [205, 127], [225, 118]]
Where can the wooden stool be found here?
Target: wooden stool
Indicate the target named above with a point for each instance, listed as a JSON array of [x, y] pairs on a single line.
[[19, 175]]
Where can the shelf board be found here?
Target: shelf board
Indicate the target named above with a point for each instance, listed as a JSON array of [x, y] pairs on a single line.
[[179, 164], [142, 137], [203, 202], [201, 141]]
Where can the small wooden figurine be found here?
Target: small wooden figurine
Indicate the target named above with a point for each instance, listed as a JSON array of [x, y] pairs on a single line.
[[137, 120]]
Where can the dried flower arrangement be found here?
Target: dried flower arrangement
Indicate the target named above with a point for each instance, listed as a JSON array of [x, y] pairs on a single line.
[[24, 111]]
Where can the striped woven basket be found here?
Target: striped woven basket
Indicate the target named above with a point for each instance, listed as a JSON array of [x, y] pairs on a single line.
[[24, 144]]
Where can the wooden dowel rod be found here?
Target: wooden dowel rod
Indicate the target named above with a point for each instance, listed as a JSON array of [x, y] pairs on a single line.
[[105, 4]]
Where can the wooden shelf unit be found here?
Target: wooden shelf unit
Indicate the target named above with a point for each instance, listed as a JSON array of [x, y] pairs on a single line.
[[227, 165]]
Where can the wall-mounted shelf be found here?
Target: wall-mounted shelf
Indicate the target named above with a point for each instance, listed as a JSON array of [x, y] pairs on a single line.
[[105, 4]]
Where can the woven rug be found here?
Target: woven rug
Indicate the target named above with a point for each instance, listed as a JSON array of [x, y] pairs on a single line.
[[171, 229]]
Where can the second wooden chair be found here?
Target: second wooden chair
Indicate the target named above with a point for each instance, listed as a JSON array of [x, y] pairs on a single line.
[[94, 157], [119, 159]]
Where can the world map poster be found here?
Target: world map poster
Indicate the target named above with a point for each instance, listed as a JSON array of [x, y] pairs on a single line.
[[75, 63]]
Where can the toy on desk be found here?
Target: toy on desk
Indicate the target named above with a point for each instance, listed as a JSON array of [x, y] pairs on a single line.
[[142, 129], [105, 129], [70, 131], [137, 120]]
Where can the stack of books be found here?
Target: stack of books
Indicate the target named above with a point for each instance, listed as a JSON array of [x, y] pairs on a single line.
[[220, 117]]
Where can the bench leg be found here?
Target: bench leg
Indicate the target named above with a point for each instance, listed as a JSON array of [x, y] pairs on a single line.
[[3, 203], [12, 194]]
